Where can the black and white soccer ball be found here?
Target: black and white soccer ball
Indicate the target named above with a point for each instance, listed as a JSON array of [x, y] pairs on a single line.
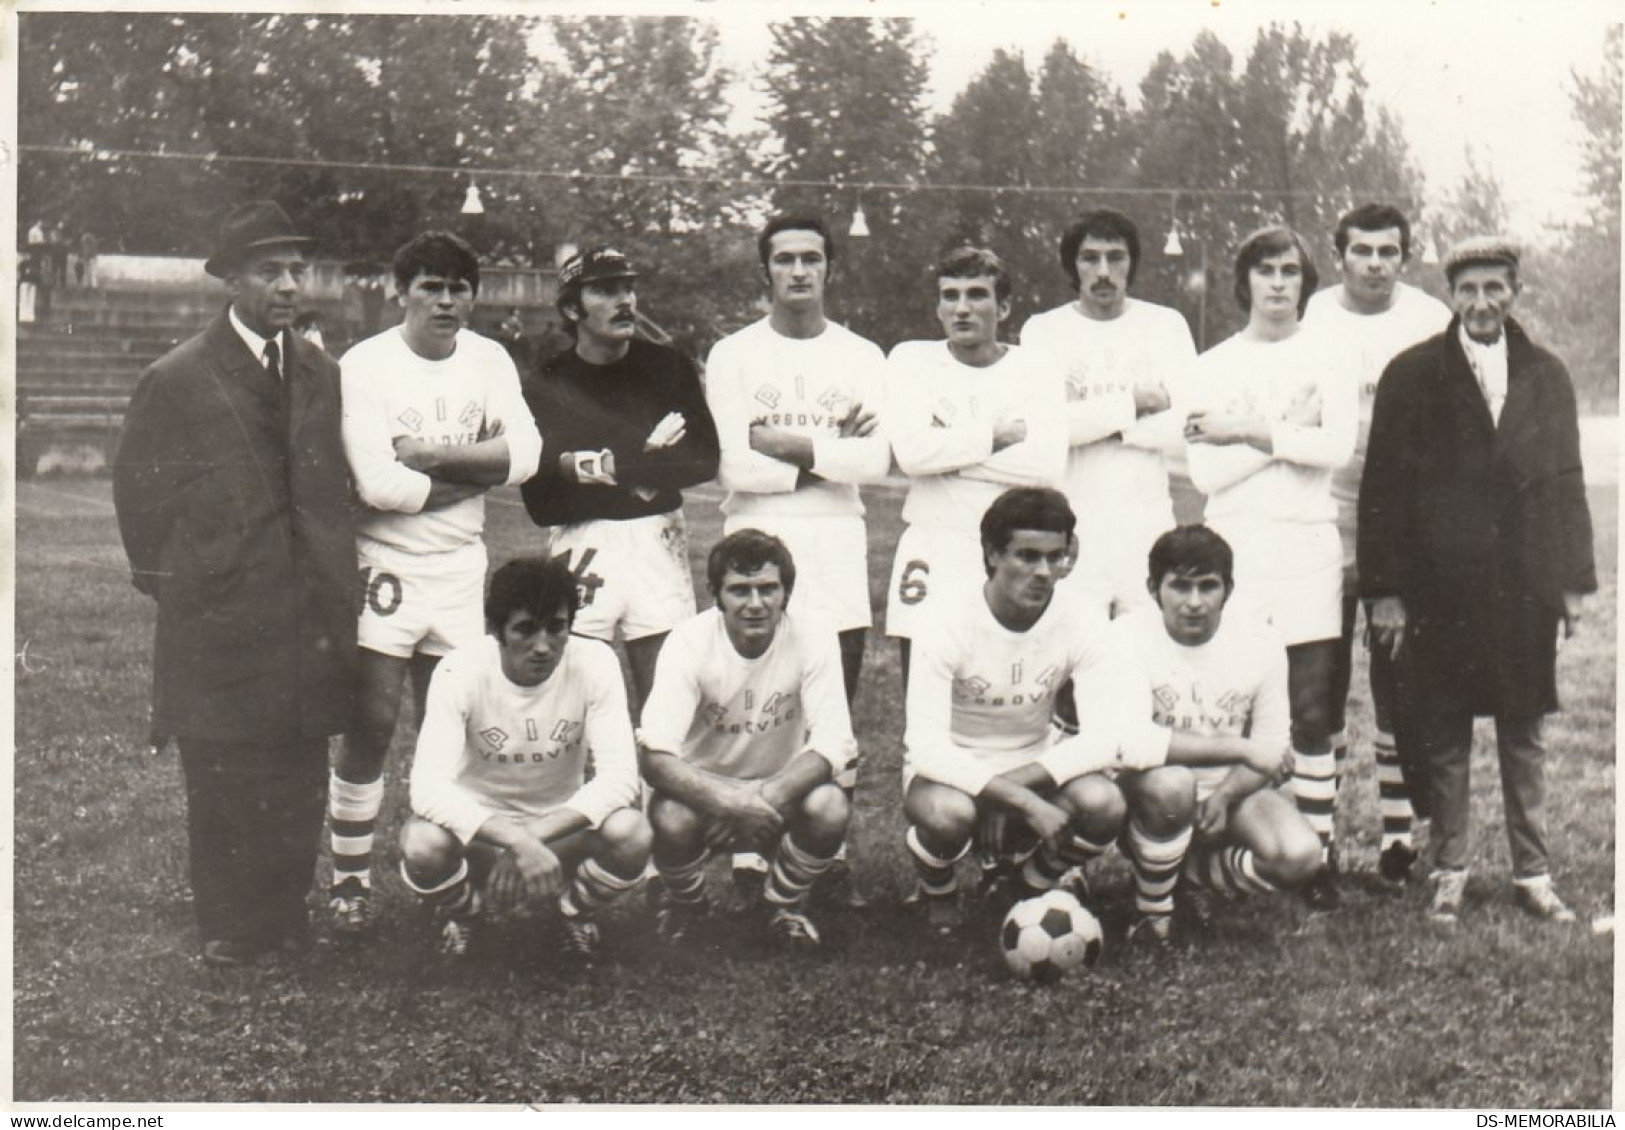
[[1044, 936]]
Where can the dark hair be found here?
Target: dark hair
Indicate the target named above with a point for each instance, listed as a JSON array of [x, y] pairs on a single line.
[[748, 551], [1373, 217], [795, 221], [1024, 508], [1277, 239], [974, 262], [1192, 551], [1102, 223], [435, 253], [538, 585]]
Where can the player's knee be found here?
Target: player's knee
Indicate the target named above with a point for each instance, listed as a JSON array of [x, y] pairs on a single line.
[[1096, 805], [1293, 858], [943, 815], [673, 822], [428, 852], [628, 839], [826, 812], [1165, 800]]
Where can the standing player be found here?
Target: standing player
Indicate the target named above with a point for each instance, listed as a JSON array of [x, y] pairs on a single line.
[[743, 736], [794, 397], [433, 418], [966, 417], [1121, 357], [502, 812], [1274, 417], [980, 767], [1372, 317], [1219, 686], [625, 428]]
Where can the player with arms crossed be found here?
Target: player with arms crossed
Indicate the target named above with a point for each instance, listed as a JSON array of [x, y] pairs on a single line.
[[502, 814], [743, 736], [795, 399], [433, 418], [980, 767], [967, 417], [1121, 357], [1219, 686], [626, 429], [1275, 415], [1374, 317]]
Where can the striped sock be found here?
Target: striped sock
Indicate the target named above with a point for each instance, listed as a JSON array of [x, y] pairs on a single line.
[[1340, 751], [455, 897], [1229, 870], [793, 873], [685, 882], [1156, 868], [1045, 867], [1314, 787], [1394, 801], [352, 811], [936, 873], [594, 887]]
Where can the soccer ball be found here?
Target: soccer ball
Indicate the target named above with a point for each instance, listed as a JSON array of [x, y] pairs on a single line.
[[1044, 936]]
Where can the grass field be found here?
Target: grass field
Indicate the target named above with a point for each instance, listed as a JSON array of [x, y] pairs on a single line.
[[1365, 1007]]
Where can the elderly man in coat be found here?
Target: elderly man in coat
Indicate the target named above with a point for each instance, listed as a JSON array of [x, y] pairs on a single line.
[[1475, 544], [233, 499]]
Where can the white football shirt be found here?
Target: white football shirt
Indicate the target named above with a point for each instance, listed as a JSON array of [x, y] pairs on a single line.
[[749, 718], [488, 745]]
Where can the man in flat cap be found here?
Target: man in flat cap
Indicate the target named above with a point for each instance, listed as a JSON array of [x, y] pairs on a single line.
[[1474, 543], [624, 429], [233, 501]]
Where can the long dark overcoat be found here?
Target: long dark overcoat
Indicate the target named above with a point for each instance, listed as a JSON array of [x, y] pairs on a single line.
[[235, 509], [1480, 529]]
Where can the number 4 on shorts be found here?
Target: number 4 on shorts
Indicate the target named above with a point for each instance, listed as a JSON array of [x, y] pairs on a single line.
[[587, 584]]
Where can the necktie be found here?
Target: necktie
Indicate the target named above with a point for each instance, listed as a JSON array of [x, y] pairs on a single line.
[[273, 360]]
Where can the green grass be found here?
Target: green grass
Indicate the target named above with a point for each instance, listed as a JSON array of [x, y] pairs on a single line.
[[1366, 1007]]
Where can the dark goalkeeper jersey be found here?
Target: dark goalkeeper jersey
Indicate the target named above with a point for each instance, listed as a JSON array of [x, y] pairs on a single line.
[[580, 406]]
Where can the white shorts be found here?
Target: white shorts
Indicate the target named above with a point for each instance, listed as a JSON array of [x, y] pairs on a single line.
[[632, 574], [1290, 573], [930, 567], [831, 555], [1112, 564], [430, 603]]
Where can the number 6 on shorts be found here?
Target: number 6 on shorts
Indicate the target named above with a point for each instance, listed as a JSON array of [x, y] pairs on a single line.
[[911, 585]]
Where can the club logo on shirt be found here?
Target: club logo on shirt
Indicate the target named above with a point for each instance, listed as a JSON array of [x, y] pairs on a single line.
[[495, 737], [565, 737], [777, 709], [835, 402], [412, 418], [769, 395], [471, 415], [974, 687], [1231, 714], [978, 690]]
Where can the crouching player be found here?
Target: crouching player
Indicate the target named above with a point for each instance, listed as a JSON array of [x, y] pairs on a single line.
[[502, 816], [980, 767], [1219, 686], [743, 734]]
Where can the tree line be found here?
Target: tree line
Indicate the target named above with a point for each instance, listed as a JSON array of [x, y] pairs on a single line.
[[621, 129]]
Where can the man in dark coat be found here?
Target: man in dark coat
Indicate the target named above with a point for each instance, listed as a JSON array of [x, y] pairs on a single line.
[[233, 499], [1475, 543]]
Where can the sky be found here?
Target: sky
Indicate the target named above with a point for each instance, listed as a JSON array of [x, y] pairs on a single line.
[[1492, 75]]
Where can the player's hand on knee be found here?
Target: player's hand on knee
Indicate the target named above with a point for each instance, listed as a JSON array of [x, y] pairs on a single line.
[[1050, 822], [1270, 760], [752, 819], [541, 876], [1212, 815]]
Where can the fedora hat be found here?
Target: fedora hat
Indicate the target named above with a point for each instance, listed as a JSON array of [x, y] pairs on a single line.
[[250, 227]]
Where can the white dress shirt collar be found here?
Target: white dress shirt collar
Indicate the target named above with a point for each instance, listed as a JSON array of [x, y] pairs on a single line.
[[1489, 364], [256, 344]]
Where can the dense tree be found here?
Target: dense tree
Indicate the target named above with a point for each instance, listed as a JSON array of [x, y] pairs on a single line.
[[846, 105], [634, 110], [287, 92]]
